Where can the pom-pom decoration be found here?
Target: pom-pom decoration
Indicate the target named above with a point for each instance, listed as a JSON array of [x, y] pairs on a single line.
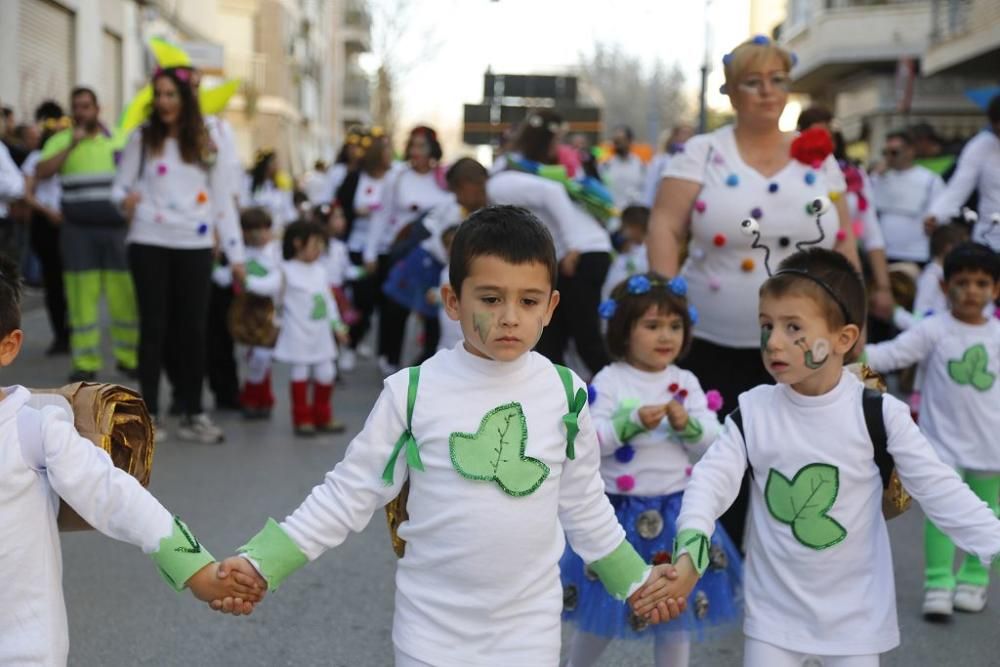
[[810, 178], [747, 265], [772, 188], [625, 453], [812, 145], [714, 399], [607, 309], [202, 197], [638, 285], [700, 206], [732, 180], [761, 40], [678, 286], [591, 394], [757, 213], [625, 483], [693, 314], [161, 169], [719, 240]]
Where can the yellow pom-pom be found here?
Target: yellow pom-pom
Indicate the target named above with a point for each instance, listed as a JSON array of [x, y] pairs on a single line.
[[834, 196]]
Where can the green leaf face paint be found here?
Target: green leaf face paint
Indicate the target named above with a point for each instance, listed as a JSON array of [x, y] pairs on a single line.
[[816, 354], [971, 369], [483, 324], [765, 336], [804, 501]]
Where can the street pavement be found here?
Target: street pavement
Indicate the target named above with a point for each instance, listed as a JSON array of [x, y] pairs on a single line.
[[337, 611]]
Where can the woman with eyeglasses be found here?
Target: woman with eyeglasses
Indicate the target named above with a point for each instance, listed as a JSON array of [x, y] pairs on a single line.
[[743, 170]]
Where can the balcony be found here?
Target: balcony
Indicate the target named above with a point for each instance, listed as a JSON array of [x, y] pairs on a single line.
[[357, 91], [836, 38], [964, 33], [356, 27]]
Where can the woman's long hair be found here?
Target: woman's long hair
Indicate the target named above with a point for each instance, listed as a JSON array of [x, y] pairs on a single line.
[[192, 135], [258, 173]]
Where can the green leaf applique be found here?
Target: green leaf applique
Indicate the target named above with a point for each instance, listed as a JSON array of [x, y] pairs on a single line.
[[256, 269], [319, 308], [971, 368], [803, 502], [496, 452]]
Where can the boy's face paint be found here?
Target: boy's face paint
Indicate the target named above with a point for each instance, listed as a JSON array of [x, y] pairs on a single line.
[[814, 355], [483, 324], [765, 336]]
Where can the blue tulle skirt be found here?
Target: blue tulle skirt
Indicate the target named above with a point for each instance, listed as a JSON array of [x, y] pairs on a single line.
[[650, 525], [410, 278]]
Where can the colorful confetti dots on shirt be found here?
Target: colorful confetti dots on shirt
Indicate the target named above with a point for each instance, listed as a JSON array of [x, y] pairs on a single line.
[[810, 178], [747, 265], [714, 284], [732, 180], [719, 240], [841, 234], [625, 483], [161, 169], [784, 241], [202, 197], [202, 229], [756, 213], [772, 188], [700, 206]]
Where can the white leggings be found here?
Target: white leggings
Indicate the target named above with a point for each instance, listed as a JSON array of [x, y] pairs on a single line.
[[585, 649], [322, 373], [761, 654], [258, 364]]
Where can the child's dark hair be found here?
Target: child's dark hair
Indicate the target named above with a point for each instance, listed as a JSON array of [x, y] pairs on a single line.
[[465, 170], [254, 218], [945, 237], [637, 216], [510, 233], [10, 297], [630, 307], [971, 256], [448, 235], [300, 231], [826, 277]]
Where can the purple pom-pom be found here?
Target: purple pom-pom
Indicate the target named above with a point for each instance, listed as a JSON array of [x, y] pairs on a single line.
[[678, 286], [727, 59], [625, 453], [714, 399], [607, 309], [638, 285], [591, 394], [772, 188], [693, 314]]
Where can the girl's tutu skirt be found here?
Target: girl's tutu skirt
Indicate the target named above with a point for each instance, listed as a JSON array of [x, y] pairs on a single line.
[[650, 524], [410, 279]]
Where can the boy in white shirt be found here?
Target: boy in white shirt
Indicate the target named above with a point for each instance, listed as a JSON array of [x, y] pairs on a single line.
[[959, 351], [631, 258], [43, 458], [501, 457], [818, 581]]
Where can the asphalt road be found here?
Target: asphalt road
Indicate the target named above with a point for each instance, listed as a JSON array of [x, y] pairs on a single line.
[[338, 610]]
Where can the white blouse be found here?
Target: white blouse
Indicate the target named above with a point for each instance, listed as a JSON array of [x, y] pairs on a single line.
[[408, 196]]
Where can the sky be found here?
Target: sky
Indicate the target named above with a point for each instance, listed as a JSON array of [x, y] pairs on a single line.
[[547, 37]]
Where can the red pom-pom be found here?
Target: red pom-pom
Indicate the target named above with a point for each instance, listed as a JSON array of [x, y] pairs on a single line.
[[841, 235], [625, 482], [683, 393], [719, 240], [673, 387], [812, 146]]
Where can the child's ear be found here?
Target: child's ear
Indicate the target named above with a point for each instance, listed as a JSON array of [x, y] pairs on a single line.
[[847, 338], [449, 299], [10, 346], [553, 302]]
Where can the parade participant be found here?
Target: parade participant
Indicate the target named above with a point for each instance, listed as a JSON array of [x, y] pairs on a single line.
[[574, 215], [44, 455], [412, 192], [624, 172], [631, 257], [339, 272], [819, 581], [750, 168], [959, 351], [261, 189], [451, 330], [470, 511], [652, 419], [92, 240], [316, 185], [654, 171], [930, 297], [174, 186], [309, 322]]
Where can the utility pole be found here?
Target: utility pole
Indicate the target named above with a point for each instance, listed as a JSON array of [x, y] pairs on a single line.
[[703, 98]]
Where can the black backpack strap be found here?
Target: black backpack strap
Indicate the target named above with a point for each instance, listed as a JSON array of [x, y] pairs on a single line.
[[871, 403], [737, 418]]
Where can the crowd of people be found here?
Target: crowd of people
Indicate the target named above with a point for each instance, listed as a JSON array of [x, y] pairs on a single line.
[[738, 273]]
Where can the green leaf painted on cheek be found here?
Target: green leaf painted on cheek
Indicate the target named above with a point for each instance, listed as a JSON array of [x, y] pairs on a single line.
[[483, 324], [971, 369], [804, 501]]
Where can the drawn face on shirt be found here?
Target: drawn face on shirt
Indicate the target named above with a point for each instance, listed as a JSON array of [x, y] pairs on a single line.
[[655, 340], [798, 346], [968, 294], [502, 307]]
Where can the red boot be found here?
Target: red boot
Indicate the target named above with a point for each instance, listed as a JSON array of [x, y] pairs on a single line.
[[254, 400], [266, 395], [323, 409], [302, 418]]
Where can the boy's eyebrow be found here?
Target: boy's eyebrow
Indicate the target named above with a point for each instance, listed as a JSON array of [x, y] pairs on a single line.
[[494, 288]]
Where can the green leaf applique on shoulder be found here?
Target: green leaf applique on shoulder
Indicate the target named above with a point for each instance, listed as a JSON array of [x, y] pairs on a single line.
[[256, 269], [319, 308], [803, 502], [971, 368], [496, 452]]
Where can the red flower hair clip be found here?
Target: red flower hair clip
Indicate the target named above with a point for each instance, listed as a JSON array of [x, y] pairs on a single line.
[[812, 146]]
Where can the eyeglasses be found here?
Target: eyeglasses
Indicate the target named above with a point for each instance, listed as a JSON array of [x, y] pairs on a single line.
[[755, 84]]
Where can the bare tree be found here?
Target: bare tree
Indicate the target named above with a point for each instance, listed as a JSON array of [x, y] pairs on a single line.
[[647, 99]]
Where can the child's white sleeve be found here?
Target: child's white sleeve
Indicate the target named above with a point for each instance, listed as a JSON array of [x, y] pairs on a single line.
[[715, 482], [614, 421], [345, 501], [589, 520], [703, 423], [268, 284], [908, 348], [903, 319], [113, 502], [929, 292], [942, 494]]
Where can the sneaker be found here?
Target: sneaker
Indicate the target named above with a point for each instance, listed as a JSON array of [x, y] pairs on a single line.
[[348, 360], [332, 426], [938, 605], [130, 373], [200, 428], [365, 351], [82, 376], [970, 598], [305, 430], [160, 434]]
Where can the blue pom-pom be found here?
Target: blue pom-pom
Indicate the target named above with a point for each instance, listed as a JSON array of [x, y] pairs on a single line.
[[591, 394], [693, 314], [678, 286], [794, 59], [203, 229], [732, 180], [625, 453], [607, 309], [726, 59], [761, 40], [638, 284], [772, 188], [810, 178]]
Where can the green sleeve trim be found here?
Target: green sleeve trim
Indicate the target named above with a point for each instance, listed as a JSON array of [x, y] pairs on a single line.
[[179, 556], [620, 570], [694, 543], [274, 553], [693, 432], [339, 327], [625, 428]]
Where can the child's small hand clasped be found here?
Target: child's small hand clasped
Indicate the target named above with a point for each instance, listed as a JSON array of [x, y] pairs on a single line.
[[237, 587]]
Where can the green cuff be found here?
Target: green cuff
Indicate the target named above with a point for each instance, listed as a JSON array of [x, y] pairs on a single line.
[[620, 570], [625, 428], [274, 553], [339, 327], [695, 544], [179, 556], [692, 432]]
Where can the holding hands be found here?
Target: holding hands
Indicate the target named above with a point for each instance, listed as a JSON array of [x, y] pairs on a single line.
[[239, 584], [663, 597]]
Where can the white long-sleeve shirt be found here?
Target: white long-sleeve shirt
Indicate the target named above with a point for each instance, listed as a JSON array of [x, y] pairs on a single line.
[[407, 196], [33, 627], [903, 200], [11, 180], [572, 228], [838, 599], [978, 169], [181, 204], [479, 584], [369, 203], [662, 455], [625, 178], [960, 395], [277, 202]]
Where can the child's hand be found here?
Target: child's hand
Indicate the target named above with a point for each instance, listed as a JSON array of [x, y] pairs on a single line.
[[238, 569], [670, 591], [244, 589], [676, 415], [652, 415], [342, 336]]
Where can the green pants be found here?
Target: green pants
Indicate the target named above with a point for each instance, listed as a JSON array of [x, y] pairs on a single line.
[[96, 263], [940, 552]]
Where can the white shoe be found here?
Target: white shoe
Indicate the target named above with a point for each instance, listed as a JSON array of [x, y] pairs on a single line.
[[970, 598], [200, 428], [348, 360], [938, 604], [365, 351], [160, 434]]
